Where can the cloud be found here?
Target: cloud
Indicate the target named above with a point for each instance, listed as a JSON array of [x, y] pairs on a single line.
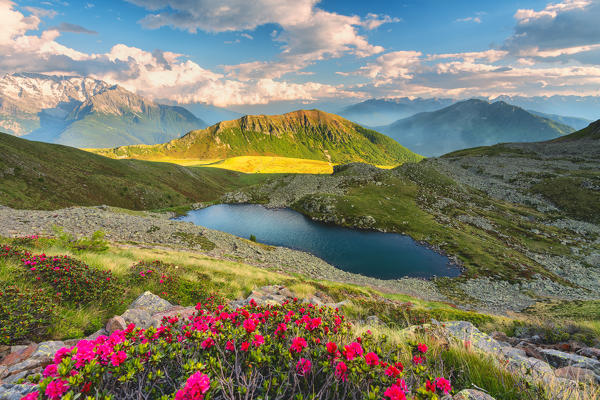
[[67, 27], [41, 12], [307, 34], [157, 74], [562, 30], [373, 21], [469, 19], [247, 36]]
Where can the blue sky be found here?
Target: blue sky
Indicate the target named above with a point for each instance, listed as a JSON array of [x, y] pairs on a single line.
[[242, 53]]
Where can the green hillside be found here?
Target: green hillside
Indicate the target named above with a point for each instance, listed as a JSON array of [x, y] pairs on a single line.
[[309, 134], [472, 123], [48, 176]]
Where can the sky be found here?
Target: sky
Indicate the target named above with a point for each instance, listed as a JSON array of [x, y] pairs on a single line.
[[248, 53]]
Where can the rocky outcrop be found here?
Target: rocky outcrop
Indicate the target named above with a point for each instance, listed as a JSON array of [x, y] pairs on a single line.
[[561, 383]]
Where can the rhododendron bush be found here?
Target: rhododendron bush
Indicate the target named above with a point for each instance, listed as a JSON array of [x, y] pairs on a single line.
[[288, 351], [71, 279]]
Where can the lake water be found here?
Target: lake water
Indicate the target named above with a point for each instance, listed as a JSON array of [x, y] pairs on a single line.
[[376, 254]]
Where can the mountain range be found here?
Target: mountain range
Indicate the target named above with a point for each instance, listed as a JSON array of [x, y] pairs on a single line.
[[471, 123], [375, 112], [85, 112], [308, 134]]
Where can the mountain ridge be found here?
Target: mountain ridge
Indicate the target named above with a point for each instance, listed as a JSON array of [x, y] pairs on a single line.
[[85, 112], [310, 134], [472, 123]]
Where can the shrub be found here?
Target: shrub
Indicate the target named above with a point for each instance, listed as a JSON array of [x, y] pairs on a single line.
[[252, 238], [72, 280], [95, 243], [158, 275], [287, 351], [24, 314], [28, 241]]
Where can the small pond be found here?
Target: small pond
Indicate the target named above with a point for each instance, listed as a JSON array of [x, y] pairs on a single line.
[[376, 254]]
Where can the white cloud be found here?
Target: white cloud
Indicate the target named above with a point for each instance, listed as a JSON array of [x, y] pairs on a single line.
[[308, 33], [161, 74], [526, 16]]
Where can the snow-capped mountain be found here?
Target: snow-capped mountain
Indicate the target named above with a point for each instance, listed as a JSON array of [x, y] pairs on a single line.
[[86, 112]]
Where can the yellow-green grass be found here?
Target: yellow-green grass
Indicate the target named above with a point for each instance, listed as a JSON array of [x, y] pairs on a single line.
[[259, 164]]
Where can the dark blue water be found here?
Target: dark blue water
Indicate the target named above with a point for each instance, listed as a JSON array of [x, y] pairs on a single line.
[[376, 254]]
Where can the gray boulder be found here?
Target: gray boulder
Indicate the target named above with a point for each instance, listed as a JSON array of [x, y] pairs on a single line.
[[150, 303], [9, 391], [561, 359], [472, 394]]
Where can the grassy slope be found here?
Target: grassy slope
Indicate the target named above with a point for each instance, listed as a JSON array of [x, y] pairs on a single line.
[[313, 135], [47, 176], [399, 204], [200, 275]]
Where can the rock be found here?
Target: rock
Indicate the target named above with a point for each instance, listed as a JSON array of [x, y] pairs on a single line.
[[150, 303], [116, 323], [99, 332], [472, 394], [47, 349], [530, 350], [3, 371], [19, 354], [22, 375], [467, 332], [514, 358], [141, 318], [29, 364], [15, 392], [561, 359], [590, 352], [577, 374]]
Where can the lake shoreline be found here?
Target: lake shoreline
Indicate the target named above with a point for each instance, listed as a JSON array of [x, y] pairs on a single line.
[[381, 255]]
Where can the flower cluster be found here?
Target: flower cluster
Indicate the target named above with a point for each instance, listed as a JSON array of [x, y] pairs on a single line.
[[284, 351], [72, 280]]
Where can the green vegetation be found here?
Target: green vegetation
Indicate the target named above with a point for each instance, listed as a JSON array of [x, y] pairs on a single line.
[[405, 200], [569, 194], [47, 176], [313, 135]]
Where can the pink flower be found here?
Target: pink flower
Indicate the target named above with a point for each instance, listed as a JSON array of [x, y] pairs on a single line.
[[32, 268], [372, 359], [245, 346], [429, 386], [229, 345], [50, 370], [341, 371], [249, 325], [352, 350], [418, 360], [298, 344], [195, 387], [443, 384], [118, 358], [422, 348], [58, 356], [303, 367], [331, 348], [396, 391], [207, 343], [56, 389], [258, 340], [31, 396], [392, 371]]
